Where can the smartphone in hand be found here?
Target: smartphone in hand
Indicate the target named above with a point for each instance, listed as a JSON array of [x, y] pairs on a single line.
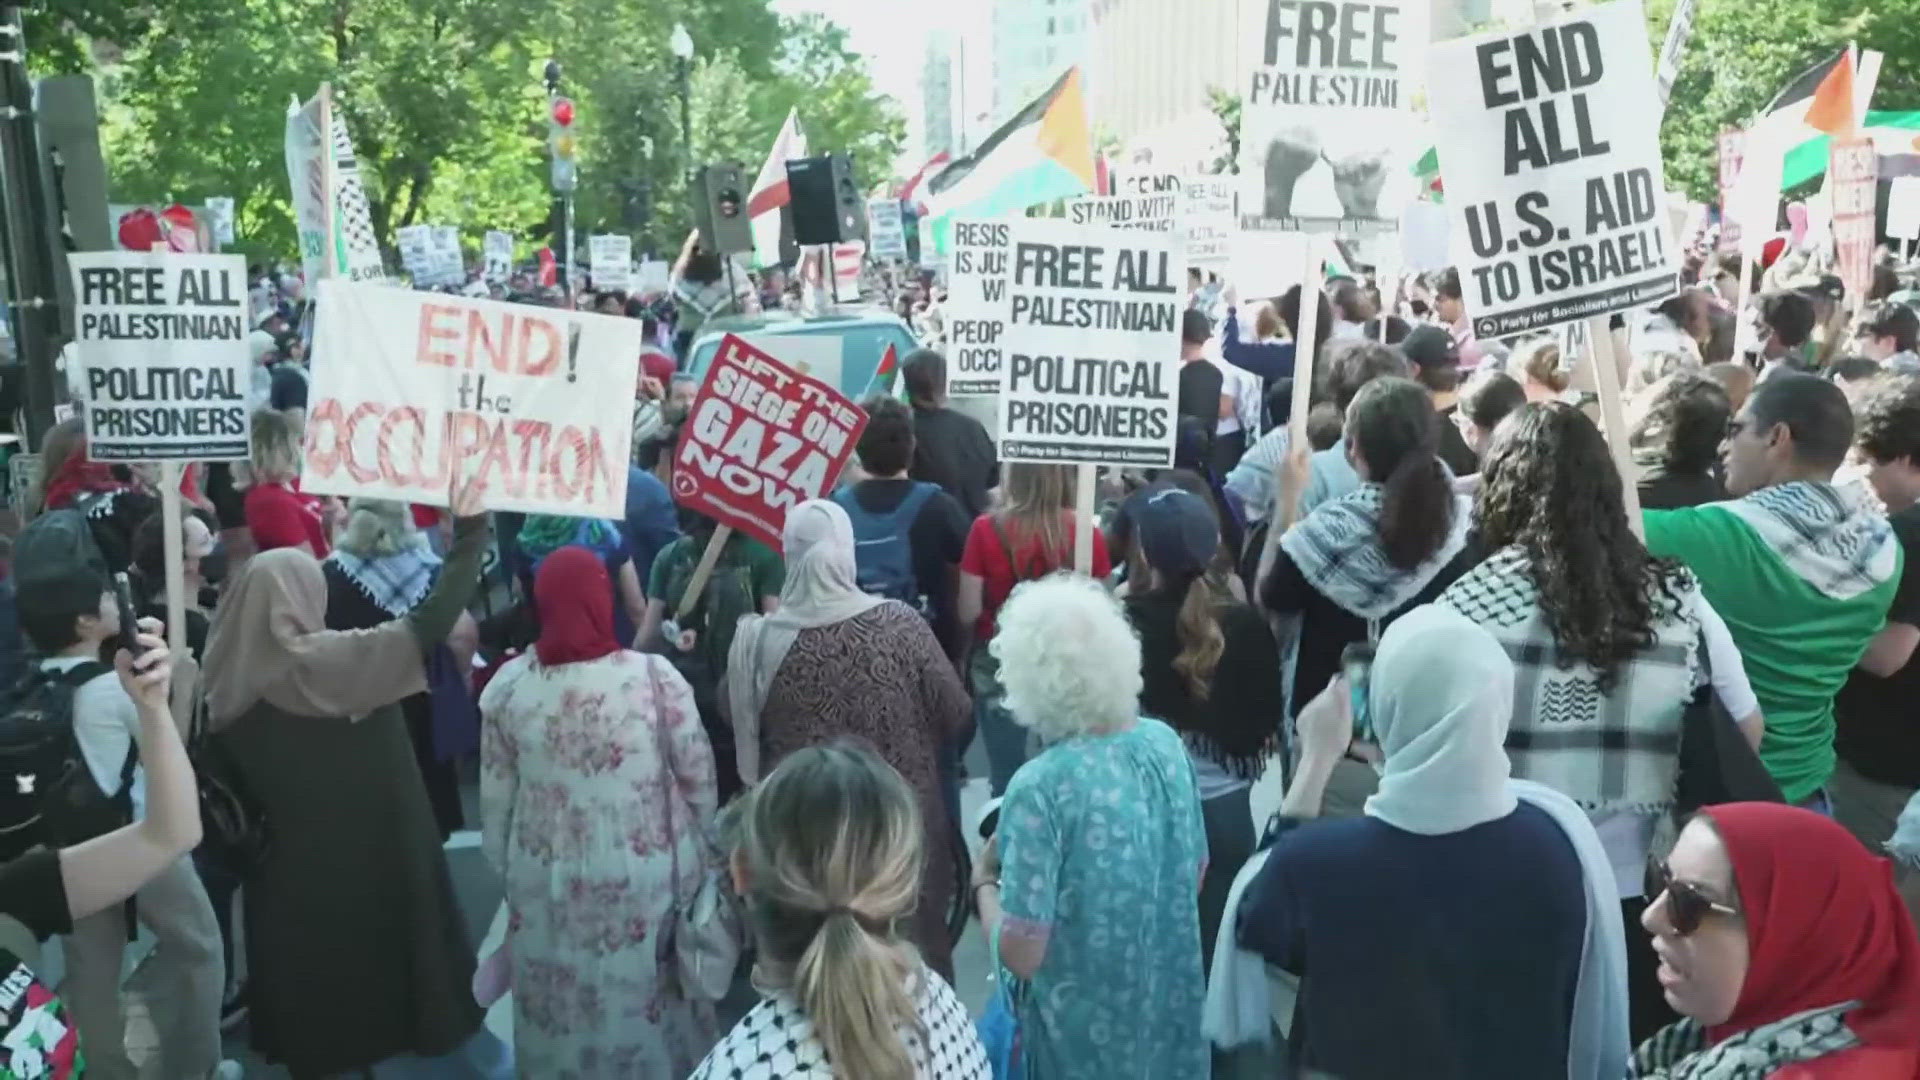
[[129, 618]]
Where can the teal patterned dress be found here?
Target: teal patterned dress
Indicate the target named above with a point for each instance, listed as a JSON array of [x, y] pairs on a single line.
[[1102, 848]]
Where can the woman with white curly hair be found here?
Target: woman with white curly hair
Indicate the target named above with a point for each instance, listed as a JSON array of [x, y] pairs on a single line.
[[1090, 886]]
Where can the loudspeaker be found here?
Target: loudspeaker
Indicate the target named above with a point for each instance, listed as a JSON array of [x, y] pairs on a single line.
[[720, 209], [827, 206]]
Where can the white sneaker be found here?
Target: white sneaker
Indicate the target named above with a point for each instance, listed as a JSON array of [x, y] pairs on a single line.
[[227, 1070]]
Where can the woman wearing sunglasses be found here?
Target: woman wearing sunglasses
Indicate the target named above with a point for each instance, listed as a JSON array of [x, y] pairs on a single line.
[[1786, 950]]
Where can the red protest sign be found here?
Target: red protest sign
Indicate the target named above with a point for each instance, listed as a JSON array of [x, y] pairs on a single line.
[[1732, 147], [1853, 173], [760, 438]]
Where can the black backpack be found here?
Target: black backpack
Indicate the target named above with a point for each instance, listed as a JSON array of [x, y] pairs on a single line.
[[48, 796]]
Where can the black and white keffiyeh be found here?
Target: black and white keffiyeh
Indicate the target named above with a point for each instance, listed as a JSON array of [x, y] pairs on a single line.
[[1679, 1051], [394, 582], [1833, 538], [1337, 548]]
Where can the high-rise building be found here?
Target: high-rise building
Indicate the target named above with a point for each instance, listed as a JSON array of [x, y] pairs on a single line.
[[938, 98], [1033, 42]]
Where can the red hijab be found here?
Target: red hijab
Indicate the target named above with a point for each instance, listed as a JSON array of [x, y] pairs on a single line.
[[77, 476], [1824, 925], [575, 600]]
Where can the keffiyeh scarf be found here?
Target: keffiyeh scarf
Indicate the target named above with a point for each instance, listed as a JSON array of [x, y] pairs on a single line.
[[1833, 538], [396, 582], [1680, 1052], [1337, 549]]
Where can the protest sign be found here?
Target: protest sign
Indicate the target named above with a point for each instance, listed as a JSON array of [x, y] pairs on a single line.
[[1153, 212], [976, 307], [220, 218], [415, 393], [886, 229], [1266, 264], [653, 276], [1091, 344], [1679, 29], [1903, 208], [930, 258], [1730, 147], [430, 254], [760, 438], [847, 261], [330, 206], [1326, 113], [610, 261], [1852, 177], [450, 263], [1206, 216], [162, 340], [497, 252], [1551, 153], [415, 243]]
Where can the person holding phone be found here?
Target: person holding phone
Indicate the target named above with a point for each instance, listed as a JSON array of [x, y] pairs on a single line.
[[71, 618], [354, 938]]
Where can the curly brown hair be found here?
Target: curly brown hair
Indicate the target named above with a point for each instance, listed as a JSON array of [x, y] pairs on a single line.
[[1549, 487]]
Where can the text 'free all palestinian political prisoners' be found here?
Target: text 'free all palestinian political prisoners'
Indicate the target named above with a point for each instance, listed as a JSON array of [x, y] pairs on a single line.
[[1552, 163], [161, 340]]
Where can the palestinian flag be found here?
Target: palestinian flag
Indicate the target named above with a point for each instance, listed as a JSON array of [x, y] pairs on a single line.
[[1044, 153], [882, 380], [1895, 136]]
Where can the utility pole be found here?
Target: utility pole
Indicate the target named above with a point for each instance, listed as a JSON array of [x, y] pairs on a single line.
[[32, 307]]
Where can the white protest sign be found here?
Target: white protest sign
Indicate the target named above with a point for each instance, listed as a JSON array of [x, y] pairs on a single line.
[[1326, 115], [449, 263], [1903, 208], [930, 259], [886, 229], [610, 261], [162, 340], [497, 251], [652, 277], [220, 218], [414, 393], [327, 196], [847, 261], [1152, 212], [1679, 29], [1266, 264], [1423, 237], [1092, 344], [1207, 217], [1549, 141], [976, 307], [416, 251]]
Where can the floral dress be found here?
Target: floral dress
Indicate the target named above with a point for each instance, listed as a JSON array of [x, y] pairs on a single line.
[[1102, 848], [597, 802]]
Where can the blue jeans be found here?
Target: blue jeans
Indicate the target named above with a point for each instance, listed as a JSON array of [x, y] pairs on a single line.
[[1006, 741], [482, 1057], [1818, 802]]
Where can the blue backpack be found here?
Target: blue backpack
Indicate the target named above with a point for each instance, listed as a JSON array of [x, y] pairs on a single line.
[[883, 545]]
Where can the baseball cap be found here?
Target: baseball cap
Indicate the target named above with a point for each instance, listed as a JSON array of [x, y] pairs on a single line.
[[1176, 530], [1430, 347]]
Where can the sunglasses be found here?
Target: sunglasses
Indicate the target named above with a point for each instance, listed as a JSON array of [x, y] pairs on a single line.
[[1687, 906]]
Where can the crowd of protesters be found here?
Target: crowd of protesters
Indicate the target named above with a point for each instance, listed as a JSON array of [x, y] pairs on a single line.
[[1564, 793]]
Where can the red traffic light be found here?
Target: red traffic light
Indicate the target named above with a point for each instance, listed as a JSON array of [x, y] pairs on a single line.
[[563, 111]]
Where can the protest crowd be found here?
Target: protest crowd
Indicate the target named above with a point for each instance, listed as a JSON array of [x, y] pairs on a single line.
[[1372, 677]]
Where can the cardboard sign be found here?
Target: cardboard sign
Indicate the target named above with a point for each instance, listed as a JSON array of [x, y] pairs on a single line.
[[976, 308], [497, 252], [414, 393], [1091, 344], [1326, 114], [610, 261], [1155, 212], [1549, 140], [1903, 208], [1207, 217], [760, 438], [1731, 146], [352, 251], [162, 339], [1853, 171], [886, 229]]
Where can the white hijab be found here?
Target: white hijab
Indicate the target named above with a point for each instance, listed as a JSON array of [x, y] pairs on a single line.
[[1442, 697], [821, 589]]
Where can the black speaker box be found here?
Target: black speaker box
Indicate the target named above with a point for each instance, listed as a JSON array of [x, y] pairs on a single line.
[[720, 209], [827, 205]]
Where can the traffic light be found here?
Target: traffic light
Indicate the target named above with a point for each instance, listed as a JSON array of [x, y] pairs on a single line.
[[561, 142]]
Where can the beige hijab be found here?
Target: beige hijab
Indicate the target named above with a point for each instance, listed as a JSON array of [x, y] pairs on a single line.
[[270, 643]]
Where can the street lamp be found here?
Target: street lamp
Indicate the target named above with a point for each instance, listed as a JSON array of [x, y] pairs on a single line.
[[681, 45]]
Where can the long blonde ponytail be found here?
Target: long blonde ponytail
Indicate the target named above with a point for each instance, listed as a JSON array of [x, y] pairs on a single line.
[[832, 841]]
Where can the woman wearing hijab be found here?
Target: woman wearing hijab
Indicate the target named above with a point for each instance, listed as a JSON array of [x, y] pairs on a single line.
[[1208, 671], [1785, 949], [380, 569], [542, 534], [833, 661], [355, 943], [597, 802], [1465, 926]]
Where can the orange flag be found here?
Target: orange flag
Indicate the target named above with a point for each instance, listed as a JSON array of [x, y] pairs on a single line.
[[1831, 109]]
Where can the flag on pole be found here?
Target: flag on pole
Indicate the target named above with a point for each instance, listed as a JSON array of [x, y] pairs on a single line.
[[882, 381], [1831, 107], [934, 164], [770, 193], [1045, 152]]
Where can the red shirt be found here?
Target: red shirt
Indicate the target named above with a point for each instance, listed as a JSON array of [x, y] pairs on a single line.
[[282, 516], [986, 558]]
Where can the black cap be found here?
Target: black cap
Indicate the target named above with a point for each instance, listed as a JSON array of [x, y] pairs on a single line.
[[1430, 347], [1176, 530]]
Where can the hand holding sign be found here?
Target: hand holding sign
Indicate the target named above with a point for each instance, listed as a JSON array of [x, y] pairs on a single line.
[[470, 499]]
